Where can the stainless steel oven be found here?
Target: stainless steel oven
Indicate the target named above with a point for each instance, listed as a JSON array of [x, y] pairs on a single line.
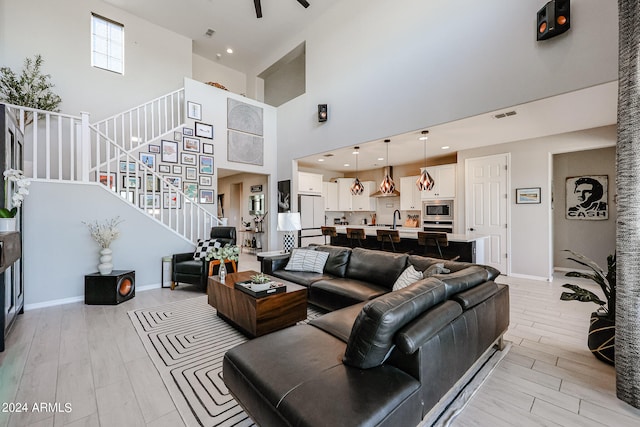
[[437, 210]]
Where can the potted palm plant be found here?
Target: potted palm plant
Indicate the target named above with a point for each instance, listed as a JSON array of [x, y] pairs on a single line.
[[602, 326]]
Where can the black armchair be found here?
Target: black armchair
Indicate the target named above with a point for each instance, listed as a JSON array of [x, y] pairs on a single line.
[[185, 269]]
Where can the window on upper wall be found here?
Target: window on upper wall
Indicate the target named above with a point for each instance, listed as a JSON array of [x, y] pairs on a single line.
[[107, 44]]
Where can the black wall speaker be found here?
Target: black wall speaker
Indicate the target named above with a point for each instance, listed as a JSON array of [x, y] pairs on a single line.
[[553, 19], [110, 289], [323, 112]]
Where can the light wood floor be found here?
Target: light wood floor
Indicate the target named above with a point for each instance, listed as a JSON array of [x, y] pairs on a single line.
[[91, 358]]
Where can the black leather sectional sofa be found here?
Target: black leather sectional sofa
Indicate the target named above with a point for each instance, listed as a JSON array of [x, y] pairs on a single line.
[[380, 357]]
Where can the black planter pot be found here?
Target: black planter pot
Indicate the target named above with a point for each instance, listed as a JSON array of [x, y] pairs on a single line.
[[602, 333]]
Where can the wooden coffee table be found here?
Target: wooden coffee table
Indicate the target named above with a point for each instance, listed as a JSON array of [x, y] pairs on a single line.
[[256, 316]]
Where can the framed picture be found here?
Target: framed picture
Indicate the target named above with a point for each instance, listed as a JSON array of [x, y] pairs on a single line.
[[130, 182], [206, 196], [207, 148], [169, 151], [194, 111], [528, 195], [154, 148], [204, 130], [149, 160], [176, 181], [190, 190], [152, 183], [192, 173], [108, 180], [150, 201], [587, 197], [188, 159], [284, 196], [123, 167], [191, 144], [177, 136], [171, 200], [206, 181], [187, 131], [206, 165], [177, 169], [164, 168], [128, 195]]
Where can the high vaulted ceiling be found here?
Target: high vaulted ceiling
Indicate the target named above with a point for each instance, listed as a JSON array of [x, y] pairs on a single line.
[[234, 22]]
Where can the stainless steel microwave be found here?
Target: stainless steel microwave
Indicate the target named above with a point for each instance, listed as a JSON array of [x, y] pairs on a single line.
[[437, 210]]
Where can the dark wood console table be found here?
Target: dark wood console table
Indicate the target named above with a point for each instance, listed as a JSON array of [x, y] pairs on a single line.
[[11, 287]]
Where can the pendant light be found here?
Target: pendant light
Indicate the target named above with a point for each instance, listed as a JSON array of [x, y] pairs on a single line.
[[425, 181], [387, 185], [357, 188]]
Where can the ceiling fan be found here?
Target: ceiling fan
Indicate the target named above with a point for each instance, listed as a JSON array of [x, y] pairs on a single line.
[[258, 6]]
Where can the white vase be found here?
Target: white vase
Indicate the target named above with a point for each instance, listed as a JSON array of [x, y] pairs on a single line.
[[222, 272], [105, 266], [7, 224]]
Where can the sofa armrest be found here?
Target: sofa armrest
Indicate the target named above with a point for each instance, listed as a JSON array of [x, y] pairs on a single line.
[[271, 264], [416, 333], [182, 257]]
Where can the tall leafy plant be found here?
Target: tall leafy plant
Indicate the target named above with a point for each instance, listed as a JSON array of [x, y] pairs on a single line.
[[31, 88], [606, 281]]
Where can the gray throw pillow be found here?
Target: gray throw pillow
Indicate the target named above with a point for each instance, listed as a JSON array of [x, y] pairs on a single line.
[[436, 269]]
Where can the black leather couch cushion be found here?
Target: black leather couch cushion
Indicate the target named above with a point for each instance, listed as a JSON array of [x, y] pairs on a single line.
[[336, 293], [377, 267], [462, 280], [373, 332], [340, 322], [477, 294], [304, 278], [338, 260], [224, 235], [191, 266], [416, 333]]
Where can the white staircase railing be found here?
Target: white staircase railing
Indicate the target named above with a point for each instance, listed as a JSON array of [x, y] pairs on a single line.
[[62, 147], [145, 123]]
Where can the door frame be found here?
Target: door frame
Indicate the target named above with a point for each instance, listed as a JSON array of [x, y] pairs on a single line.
[[468, 205]]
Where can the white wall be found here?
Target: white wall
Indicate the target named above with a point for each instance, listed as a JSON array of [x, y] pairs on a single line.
[[156, 59], [214, 111], [58, 248], [205, 70], [531, 166], [387, 68]]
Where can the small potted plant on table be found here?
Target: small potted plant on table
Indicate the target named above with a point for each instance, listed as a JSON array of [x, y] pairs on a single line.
[[260, 282]]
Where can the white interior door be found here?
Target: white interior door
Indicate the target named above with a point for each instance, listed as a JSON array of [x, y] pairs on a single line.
[[487, 200]]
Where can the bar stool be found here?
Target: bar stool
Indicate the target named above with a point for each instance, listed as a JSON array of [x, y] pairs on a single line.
[[355, 234], [391, 236], [434, 239], [328, 231]]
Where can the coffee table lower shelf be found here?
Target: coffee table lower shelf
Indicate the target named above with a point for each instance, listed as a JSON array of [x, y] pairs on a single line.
[[256, 316]]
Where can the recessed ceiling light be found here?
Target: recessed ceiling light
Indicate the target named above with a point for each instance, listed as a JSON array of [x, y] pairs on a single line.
[[445, 147], [229, 50], [321, 160], [346, 165], [218, 55], [380, 158], [423, 138], [355, 152]]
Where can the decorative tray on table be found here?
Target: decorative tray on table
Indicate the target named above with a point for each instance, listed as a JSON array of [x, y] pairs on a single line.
[[274, 288]]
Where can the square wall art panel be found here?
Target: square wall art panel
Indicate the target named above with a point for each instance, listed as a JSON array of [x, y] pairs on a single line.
[[244, 117], [243, 148]]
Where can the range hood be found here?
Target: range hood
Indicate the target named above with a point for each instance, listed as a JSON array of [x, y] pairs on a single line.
[[387, 171]]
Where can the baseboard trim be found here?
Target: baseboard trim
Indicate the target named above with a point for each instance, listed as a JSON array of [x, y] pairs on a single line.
[[80, 298], [526, 276]]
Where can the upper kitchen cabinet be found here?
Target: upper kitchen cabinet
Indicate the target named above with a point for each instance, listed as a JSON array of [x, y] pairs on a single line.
[[445, 182], [330, 194], [363, 202], [344, 194], [309, 183], [410, 196]]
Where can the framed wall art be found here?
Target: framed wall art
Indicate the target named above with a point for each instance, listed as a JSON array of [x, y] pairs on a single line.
[[244, 117], [204, 130], [154, 148], [207, 148], [171, 201], [188, 159], [528, 195], [130, 182], [124, 165], [194, 110], [164, 168], [192, 173], [177, 136], [191, 144], [206, 196], [587, 197], [206, 181], [176, 181], [152, 183], [150, 201], [177, 169], [190, 189], [169, 151], [187, 131], [149, 160], [108, 179], [206, 165]]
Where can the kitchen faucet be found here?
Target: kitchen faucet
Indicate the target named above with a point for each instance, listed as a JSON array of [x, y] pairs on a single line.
[[394, 218]]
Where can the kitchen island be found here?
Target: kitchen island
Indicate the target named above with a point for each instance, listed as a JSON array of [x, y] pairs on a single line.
[[469, 247]]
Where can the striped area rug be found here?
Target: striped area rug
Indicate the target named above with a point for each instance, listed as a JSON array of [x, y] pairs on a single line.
[[186, 341]]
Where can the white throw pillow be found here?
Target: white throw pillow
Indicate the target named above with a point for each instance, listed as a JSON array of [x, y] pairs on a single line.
[[307, 260], [203, 247], [408, 276]]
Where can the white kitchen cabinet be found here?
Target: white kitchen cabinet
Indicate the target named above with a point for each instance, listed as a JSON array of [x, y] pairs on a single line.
[[309, 183], [344, 194], [330, 194], [363, 202], [445, 182], [410, 196]]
